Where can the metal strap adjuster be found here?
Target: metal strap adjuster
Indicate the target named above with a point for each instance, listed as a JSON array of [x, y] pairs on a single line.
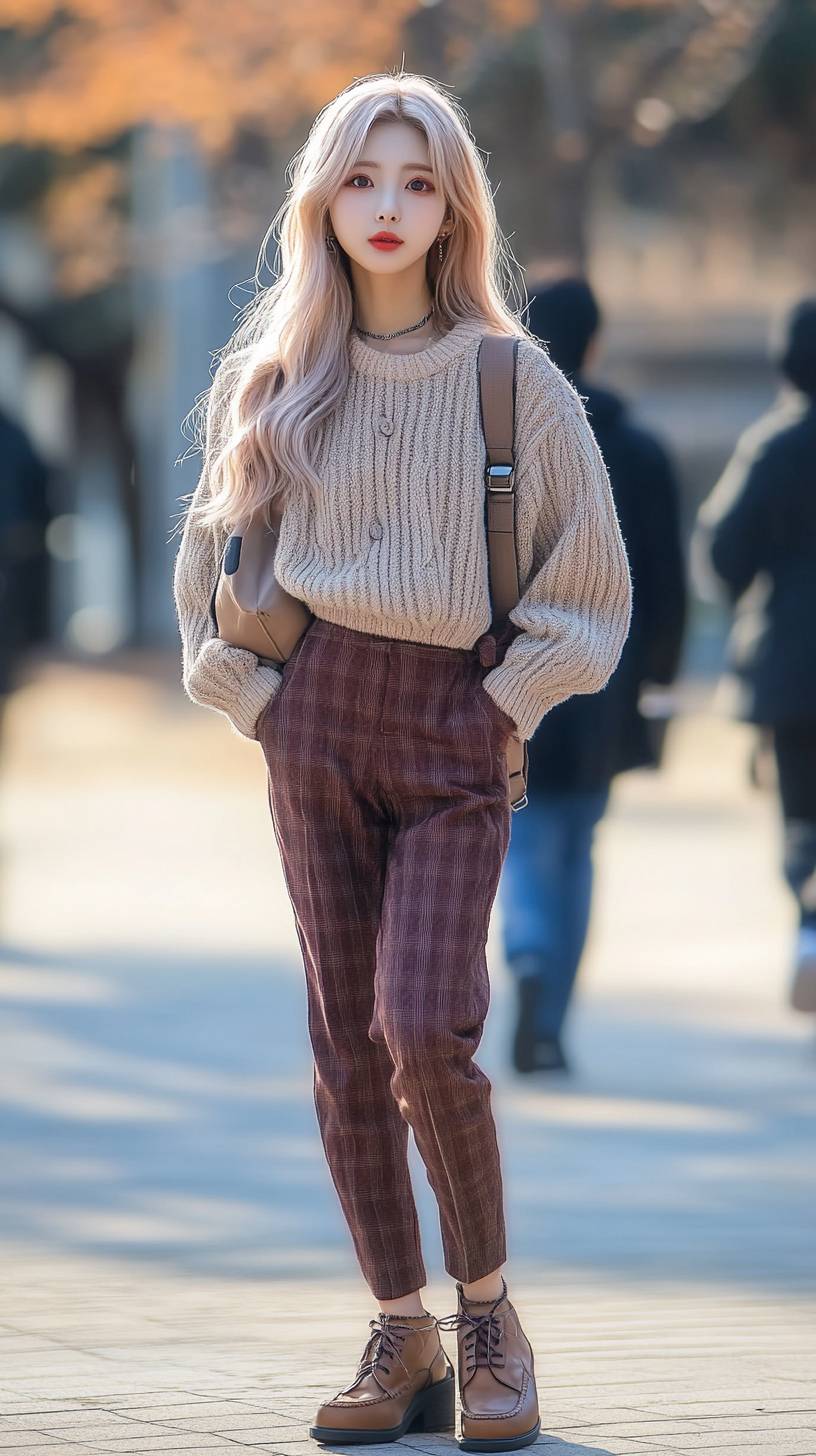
[[503, 473]]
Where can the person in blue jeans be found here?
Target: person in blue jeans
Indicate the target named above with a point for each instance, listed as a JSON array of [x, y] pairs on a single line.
[[546, 897], [545, 892]]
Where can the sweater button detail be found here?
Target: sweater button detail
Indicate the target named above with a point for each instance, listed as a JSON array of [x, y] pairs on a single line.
[[375, 531], [385, 426]]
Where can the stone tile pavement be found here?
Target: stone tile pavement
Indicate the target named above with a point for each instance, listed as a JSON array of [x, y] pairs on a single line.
[[99, 1355], [174, 1272]]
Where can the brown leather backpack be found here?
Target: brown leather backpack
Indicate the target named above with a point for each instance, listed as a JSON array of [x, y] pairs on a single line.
[[251, 609]]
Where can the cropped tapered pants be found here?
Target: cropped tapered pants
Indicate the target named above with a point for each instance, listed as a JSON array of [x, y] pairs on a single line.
[[389, 797]]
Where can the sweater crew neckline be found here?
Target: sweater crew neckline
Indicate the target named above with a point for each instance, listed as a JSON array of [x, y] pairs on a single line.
[[379, 364]]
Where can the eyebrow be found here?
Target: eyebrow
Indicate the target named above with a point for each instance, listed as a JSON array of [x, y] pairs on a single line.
[[406, 166]]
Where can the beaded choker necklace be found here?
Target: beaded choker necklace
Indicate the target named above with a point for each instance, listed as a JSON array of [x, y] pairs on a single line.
[[369, 333]]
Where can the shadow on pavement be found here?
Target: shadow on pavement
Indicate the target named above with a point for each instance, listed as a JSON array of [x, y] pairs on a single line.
[[162, 1109]]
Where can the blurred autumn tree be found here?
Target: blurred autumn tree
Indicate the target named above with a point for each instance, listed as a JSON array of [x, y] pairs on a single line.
[[552, 86], [555, 90]]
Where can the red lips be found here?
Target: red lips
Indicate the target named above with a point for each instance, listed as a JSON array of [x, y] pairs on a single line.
[[385, 238]]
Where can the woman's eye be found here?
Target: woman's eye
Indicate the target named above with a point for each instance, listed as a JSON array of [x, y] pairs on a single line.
[[360, 177]]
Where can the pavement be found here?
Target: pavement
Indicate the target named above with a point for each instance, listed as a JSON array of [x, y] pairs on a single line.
[[175, 1274]]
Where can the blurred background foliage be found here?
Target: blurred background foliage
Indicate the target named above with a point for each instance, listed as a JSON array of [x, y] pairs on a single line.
[[666, 146]]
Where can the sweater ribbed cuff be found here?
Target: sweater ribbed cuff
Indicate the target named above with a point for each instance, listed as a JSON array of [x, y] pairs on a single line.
[[233, 682], [526, 707], [258, 690]]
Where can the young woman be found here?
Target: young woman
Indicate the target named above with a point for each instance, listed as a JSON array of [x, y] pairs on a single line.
[[349, 393]]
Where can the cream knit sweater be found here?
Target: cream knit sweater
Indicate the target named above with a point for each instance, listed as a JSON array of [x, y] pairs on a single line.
[[396, 543]]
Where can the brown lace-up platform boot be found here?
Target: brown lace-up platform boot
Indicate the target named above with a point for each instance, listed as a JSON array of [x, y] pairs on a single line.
[[404, 1382], [497, 1385]]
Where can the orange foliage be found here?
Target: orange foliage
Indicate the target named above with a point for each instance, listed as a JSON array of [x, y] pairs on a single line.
[[99, 67]]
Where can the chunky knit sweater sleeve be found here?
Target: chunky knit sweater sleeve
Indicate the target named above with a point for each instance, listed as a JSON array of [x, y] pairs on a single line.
[[575, 611], [214, 673]]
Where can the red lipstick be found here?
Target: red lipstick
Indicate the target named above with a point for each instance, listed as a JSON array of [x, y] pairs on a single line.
[[387, 242]]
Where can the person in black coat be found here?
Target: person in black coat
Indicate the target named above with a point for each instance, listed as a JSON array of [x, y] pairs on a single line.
[[757, 532], [579, 747], [24, 517]]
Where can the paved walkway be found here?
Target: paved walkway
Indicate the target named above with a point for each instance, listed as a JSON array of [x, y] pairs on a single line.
[[174, 1271]]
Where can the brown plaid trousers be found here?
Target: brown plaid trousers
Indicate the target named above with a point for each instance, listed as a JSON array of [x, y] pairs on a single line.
[[390, 803]]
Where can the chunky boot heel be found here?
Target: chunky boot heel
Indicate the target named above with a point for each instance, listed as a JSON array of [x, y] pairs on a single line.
[[404, 1382], [437, 1412]]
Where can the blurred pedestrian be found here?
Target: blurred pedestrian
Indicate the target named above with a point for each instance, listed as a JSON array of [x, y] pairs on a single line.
[[24, 514], [352, 391], [546, 885], [24, 479], [757, 533]]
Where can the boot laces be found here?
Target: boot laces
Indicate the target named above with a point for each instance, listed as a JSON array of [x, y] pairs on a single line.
[[384, 1344], [483, 1342]]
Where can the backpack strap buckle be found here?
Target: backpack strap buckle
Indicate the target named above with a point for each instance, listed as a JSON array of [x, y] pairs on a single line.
[[499, 478]]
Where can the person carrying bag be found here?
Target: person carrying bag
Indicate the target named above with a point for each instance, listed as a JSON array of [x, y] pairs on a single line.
[[394, 695]]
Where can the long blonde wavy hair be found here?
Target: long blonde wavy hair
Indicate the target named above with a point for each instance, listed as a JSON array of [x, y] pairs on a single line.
[[285, 368]]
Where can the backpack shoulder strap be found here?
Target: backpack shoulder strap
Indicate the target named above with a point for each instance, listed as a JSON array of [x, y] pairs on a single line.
[[497, 396]]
